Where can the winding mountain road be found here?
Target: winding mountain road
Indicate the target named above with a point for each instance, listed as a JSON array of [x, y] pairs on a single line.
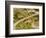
[[24, 19]]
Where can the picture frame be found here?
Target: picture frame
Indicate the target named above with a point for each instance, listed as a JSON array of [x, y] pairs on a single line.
[[17, 5]]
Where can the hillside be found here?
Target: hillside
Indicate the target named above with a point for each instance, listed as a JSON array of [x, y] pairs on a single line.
[[26, 18]]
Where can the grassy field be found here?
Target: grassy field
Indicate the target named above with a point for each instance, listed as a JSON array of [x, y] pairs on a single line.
[[25, 18]]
